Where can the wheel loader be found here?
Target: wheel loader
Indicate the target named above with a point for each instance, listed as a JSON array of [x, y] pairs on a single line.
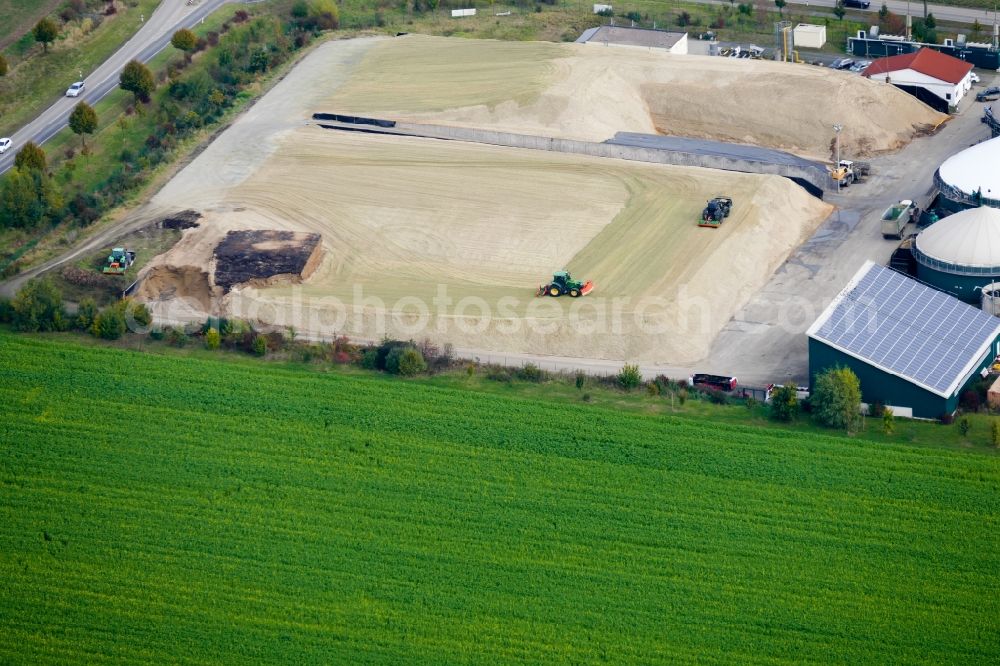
[[562, 283]]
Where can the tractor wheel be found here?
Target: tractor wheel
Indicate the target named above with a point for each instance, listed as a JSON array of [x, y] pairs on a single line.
[[575, 293], [554, 291]]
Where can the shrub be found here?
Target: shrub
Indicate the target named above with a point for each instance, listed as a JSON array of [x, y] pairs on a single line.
[[716, 397], [369, 360], [629, 377], [683, 19], [995, 433], [157, 334], [212, 338], [876, 409], [109, 324], [6, 311], [38, 307], [888, 421], [530, 373], [410, 362], [836, 398], [964, 426], [140, 314], [585, 397], [682, 396], [969, 401], [581, 379], [784, 404], [177, 337], [86, 313], [498, 373], [653, 389], [259, 345]]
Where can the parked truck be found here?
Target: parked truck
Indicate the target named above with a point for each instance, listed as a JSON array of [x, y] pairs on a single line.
[[896, 217], [717, 382]]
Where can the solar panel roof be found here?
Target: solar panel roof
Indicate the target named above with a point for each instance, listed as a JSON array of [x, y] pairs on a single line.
[[907, 329]]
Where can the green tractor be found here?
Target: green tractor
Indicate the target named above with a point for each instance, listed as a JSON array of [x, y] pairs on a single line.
[[118, 261], [562, 283]]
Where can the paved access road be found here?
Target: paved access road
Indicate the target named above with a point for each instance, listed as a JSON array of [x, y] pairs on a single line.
[[153, 37]]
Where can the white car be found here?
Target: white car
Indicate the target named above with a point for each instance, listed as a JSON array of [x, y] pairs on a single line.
[[75, 89], [974, 77], [4, 144]]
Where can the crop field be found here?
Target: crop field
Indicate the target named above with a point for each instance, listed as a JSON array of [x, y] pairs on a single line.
[[166, 508]]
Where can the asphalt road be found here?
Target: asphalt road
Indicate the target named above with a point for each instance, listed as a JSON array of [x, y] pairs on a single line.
[[153, 37]]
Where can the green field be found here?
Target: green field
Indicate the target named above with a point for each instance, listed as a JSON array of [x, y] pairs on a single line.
[[175, 508]]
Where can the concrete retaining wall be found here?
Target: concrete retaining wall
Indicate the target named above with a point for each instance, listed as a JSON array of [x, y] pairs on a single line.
[[815, 180]]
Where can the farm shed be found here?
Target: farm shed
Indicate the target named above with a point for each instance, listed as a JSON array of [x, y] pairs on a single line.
[[938, 80], [913, 347], [809, 36], [643, 38]]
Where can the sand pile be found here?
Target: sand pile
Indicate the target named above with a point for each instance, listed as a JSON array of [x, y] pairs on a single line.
[[583, 91]]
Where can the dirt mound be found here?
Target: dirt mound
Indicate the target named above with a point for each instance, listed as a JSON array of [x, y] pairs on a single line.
[[167, 283], [186, 219], [582, 91], [263, 258]]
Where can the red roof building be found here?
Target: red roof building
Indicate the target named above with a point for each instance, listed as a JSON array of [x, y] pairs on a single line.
[[925, 71]]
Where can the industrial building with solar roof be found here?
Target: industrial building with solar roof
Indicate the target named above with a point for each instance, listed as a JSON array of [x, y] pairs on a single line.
[[913, 347]]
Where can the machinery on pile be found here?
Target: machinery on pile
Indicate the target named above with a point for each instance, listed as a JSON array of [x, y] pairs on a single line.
[[118, 261], [562, 283], [715, 212]]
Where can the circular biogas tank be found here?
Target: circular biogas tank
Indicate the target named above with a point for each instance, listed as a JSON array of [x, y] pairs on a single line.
[[961, 253]]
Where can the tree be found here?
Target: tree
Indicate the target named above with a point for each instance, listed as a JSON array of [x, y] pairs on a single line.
[[184, 40], [836, 398], [138, 80], [30, 157], [83, 120], [3, 64], [930, 22], [784, 403], [20, 203], [45, 31], [964, 425], [839, 11], [883, 12], [780, 4], [38, 307]]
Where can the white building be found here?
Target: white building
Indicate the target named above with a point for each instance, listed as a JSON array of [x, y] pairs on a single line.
[[946, 78], [809, 36]]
